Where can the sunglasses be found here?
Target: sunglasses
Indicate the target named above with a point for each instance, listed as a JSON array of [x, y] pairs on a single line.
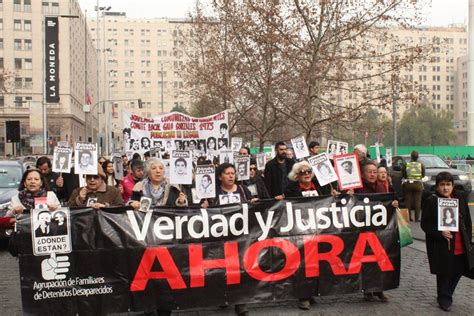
[[95, 177], [304, 172]]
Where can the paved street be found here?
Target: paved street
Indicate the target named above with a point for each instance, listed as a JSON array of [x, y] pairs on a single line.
[[415, 296]]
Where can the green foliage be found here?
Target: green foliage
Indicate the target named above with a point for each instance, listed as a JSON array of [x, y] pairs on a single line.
[[425, 127]]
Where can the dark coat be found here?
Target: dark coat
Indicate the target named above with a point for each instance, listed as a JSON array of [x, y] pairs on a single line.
[[106, 194], [440, 257], [258, 181], [273, 176], [293, 189]]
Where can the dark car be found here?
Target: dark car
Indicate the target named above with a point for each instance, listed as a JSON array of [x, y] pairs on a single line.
[[10, 177], [433, 166]]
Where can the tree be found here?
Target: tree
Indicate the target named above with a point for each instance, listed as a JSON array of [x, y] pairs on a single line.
[[310, 65], [425, 127], [180, 109]]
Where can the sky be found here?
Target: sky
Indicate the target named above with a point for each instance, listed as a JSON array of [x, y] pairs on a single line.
[[441, 13]]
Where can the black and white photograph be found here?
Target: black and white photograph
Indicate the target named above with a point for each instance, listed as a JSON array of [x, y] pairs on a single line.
[[201, 147], [236, 143], [226, 156], [223, 130], [145, 205], [205, 181], [45, 224], [62, 158], [181, 167], [145, 143], [388, 156], [118, 166], [448, 214], [347, 169], [155, 152], [242, 167], [342, 148], [229, 198], [85, 159], [222, 143], [323, 169], [331, 149], [158, 145], [169, 145], [178, 144], [91, 201], [299, 147], [261, 161]]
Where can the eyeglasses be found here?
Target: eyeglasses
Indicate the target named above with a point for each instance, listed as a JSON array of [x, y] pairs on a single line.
[[304, 172], [95, 177]]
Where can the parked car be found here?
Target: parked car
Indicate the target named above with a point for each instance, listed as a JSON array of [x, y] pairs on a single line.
[[433, 166], [11, 172]]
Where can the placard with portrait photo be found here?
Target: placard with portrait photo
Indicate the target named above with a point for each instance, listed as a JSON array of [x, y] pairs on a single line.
[[85, 159], [299, 147], [226, 156], [448, 214], [242, 167], [261, 161], [62, 160], [323, 169], [181, 167], [236, 143], [342, 148], [331, 149], [348, 172], [205, 181], [145, 205], [118, 166]]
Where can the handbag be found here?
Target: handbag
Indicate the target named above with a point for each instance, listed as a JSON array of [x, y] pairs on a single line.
[[404, 231]]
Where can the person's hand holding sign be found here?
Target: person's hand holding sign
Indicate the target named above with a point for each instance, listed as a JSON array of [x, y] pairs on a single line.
[[55, 268], [83, 194]]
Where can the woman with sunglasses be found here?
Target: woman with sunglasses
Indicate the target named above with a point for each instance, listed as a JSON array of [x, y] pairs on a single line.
[[255, 184], [304, 183], [96, 194], [33, 185]]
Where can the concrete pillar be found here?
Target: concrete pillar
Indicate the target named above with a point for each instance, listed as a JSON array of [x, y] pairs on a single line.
[[470, 77]]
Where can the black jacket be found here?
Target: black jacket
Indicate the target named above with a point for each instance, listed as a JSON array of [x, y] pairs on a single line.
[[258, 181], [293, 189], [440, 256], [273, 176]]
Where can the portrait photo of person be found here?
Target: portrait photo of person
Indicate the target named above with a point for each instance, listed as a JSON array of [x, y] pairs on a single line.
[[347, 167], [145, 204], [449, 219], [323, 169], [59, 223], [192, 144], [178, 145], [332, 149], [223, 128], [145, 143], [86, 163], [43, 221], [201, 146], [180, 167], [158, 144], [127, 134], [342, 150], [61, 162], [211, 144], [185, 144], [222, 143], [134, 144], [205, 185]]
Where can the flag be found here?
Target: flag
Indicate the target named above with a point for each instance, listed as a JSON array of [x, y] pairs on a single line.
[[89, 99]]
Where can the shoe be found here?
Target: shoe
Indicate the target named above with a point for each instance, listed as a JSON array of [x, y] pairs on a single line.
[[446, 308], [304, 304], [369, 297], [381, 296]]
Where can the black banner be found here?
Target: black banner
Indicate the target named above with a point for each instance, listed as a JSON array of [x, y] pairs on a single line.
[[122, 260], [51, 59]]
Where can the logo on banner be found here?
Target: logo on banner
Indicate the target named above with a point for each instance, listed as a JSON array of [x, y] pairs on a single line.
[[51, 237]]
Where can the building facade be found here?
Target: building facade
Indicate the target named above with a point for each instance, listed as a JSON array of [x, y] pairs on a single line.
[[143, 59], [22, 65]]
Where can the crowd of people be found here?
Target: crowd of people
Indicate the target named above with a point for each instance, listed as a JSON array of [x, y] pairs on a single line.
[[144, 185]]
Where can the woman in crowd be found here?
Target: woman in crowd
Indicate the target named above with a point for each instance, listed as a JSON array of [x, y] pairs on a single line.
[[228, 191], [255, 184], [304, 183], [101, 160], [371, 186], [108, 167], [384, 179], [447, 251], [96, 194], [33, 185], [156, 187]]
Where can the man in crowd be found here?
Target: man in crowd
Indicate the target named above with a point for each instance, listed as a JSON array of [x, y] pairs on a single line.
[[276, 172], [314, 148], [244, 151], [55, 181], [412, 175], [135, 175]]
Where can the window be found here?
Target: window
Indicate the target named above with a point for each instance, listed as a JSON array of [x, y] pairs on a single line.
[[17, 44], [17, 25], [17, 63], [18, 101], [2, 101], [27, 63], [27, 25], [27, 5], [54, 7], [28, 45], [45, 7], [1, 24], [17, 5], [28, 83], [18, 83]]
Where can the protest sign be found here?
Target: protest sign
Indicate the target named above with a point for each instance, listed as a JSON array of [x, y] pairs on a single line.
[[388, 156], [300, 148], [259, 253], [62, 159], [205, 181], [242, 166], [226, 156], [181, 167], [347, 169], [448, 214], [85, 159], [323, 169], [261, 161], [175, 131], [236, 143]]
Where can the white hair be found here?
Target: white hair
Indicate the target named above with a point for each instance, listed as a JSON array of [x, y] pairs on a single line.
[[151, 162], [297, 168], [361, 148]]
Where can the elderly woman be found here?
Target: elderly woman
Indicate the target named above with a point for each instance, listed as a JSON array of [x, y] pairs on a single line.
[[156, 187], [32, 186], [96, 194], [448, 251], [371, 185], [304, 183]]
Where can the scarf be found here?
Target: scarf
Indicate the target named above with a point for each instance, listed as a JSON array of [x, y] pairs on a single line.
[[27, 198], [156, 195]]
